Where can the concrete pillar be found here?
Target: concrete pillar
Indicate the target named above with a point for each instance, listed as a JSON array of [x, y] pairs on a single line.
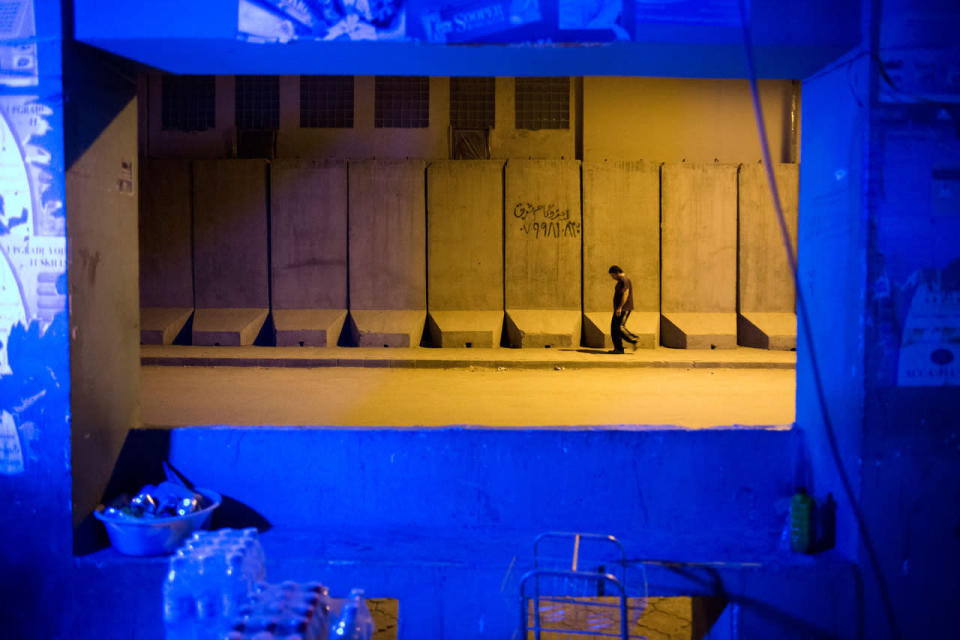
[[621, 225], [542, 226], [308, 236], [465, 252], [388, 297], [166, 265], [767, 314], [699, 249], [230, 251]]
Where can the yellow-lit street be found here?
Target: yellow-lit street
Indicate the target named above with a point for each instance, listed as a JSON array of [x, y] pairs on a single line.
[[354, 396]]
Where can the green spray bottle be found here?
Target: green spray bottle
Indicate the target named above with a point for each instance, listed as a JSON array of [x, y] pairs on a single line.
[[801, 521]]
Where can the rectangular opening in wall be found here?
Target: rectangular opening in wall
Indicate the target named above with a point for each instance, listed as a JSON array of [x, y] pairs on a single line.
[[188, 103], [402, 102], [542, 103], [326, 102]]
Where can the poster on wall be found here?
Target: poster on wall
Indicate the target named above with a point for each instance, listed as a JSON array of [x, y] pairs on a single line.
[[436, 21], [18, 47], [34, 367], [286, 20], [930, 342]]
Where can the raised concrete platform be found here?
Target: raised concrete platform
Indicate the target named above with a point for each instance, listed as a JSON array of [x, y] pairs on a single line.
[[227, 327], [162, 325], [644, 324], [542, 328], [473, 329], [308, 327], [686, 330], [386, 327], [767, 330]]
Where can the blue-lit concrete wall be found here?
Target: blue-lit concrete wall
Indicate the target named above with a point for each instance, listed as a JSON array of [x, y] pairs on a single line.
[[832, 259], [911, 433], [879, 262]]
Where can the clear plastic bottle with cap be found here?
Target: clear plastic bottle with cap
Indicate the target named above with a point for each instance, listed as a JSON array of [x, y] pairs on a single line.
[[355, 621]]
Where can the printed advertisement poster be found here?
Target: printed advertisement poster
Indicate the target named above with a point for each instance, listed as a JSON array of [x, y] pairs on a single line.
[[34, 367], [18, 47], [285, 20], [436, 21]]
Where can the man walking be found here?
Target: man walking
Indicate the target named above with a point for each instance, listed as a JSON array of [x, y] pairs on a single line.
[[622, 306]]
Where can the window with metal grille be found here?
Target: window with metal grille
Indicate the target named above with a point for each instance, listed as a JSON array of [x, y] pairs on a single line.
[[472, 103], [188, 103], [258, 102], [402, 102], [326, 101], [543, 103]]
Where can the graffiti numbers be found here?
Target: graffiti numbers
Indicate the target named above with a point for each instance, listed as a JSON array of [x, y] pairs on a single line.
[[553, 222]]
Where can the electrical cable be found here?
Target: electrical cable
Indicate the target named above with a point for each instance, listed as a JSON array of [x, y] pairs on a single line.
[[805, 323]]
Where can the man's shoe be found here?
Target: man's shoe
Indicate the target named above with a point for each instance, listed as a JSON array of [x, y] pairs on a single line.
[[619, 351]]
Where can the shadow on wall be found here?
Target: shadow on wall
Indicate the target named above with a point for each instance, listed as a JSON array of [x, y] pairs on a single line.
[[141, 463]]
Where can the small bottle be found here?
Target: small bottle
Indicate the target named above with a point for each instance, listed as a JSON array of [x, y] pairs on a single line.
[[178, 599], [355, 621], [801, 515]]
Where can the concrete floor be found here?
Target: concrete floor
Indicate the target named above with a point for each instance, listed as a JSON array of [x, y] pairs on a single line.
[[356, 396]]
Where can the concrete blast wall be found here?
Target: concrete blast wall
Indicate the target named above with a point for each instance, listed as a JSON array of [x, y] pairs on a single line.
[[767, 295], [308, 239], [699, 249], [543, 225], [230, 250], [166, 263], [387, 235], [621, 213], [465, 252], [308, 223], [465, 241], [230, 233], [495, 238], [766, 283], [387, 252], [166, 269]]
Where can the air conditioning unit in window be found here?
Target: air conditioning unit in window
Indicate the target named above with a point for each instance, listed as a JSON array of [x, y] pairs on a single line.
[[469, 144]]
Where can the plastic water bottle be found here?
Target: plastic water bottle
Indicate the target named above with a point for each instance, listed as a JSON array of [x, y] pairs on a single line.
[[355, 621], [179, 604]]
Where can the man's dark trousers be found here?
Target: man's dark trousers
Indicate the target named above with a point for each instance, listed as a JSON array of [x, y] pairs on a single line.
[[619, 331]]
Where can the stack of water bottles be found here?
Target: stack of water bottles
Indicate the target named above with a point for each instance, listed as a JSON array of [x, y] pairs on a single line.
[[210, 579], [215, 590], [286, 611]]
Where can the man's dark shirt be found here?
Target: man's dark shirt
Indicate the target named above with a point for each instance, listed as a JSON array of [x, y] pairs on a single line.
[[623, 284]]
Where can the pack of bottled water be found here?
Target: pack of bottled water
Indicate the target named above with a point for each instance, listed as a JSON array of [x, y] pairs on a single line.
[[285, 611], [215, 590], [209, 580]]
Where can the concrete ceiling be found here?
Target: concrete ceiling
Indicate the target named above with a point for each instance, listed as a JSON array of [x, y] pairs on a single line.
[[791, 40]]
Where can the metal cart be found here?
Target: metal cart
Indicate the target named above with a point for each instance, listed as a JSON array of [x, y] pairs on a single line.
[[574, 587]]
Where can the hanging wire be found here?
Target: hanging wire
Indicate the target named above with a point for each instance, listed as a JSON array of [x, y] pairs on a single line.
[[805, 323]]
